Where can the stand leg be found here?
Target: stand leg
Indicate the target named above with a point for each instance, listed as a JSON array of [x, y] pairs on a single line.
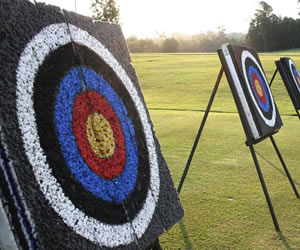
[[200, 130], [298, 114], [285, 167], [154, 246], [261, 178], [273, 77]]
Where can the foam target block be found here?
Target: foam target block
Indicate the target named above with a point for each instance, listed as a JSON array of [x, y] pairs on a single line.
[[250, 89], [81, 164], [291, 79]]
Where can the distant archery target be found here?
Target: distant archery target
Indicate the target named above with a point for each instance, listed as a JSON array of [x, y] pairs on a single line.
[[250, 89], [295, 74], [61, 119], [291, 79], [258, 88]]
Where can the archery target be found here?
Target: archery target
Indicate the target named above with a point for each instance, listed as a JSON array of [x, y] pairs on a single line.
[[291, 79], [82, 156], [258, 88], [295, 74], [71, 113], [251, 92]]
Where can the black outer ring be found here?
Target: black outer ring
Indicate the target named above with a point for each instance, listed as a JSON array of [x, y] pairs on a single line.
[[48, 78], [267, 115]]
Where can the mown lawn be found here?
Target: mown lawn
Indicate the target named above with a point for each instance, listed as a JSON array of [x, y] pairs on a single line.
[[224, 204]]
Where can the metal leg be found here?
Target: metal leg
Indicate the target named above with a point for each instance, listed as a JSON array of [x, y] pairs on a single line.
[[264, 187], [298, 113], [285, 167], [200, 130], [273, 77]]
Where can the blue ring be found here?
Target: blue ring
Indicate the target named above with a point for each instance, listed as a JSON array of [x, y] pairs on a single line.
[[295, 75], [118, 188], [265, 107]]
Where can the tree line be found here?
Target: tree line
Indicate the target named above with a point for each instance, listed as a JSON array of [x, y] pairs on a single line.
[[203, 42], [267, 32]]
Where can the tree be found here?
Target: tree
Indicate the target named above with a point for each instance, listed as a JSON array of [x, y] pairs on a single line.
[[170, 45], [105, 10], [221, 36], [260, 30], [141, 45]]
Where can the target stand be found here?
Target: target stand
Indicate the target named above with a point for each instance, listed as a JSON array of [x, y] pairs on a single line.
[[291, 78], [256, 107]]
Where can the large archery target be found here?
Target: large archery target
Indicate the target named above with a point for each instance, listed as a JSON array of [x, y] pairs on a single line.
[[112, 191], [258, 88], [295, 74]]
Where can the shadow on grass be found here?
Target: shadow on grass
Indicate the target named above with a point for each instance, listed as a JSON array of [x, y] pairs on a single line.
[[203, 110], [186, 239], [284, 240], [281, 171]]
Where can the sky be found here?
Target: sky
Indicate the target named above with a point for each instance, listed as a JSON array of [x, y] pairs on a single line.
[[150, 18]]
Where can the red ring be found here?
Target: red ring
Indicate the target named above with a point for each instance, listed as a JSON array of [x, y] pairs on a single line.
[[263, 97], [92, 102]]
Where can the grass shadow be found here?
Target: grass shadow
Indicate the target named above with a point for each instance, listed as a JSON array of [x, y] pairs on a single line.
[[281, 171], [284, 240], [186, 239]]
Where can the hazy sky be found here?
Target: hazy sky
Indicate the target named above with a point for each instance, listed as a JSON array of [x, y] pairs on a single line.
[[147, 18]]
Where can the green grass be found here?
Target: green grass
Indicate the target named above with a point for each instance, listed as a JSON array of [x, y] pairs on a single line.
[[177, 88]]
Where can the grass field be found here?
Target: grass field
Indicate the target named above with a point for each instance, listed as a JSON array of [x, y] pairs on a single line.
[[225, 207]]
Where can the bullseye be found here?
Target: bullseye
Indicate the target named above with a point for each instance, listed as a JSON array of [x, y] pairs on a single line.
[[100, 135], [112, 178], [259, 89], [106, 165]]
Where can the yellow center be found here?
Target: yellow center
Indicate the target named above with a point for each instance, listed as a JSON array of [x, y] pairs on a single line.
[[100, 135], [258, 87]]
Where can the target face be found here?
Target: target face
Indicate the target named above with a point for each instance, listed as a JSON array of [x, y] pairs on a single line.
[[295, 74], [251, 91], [291, 79], [258, 88], [86, 148], [110, 178]]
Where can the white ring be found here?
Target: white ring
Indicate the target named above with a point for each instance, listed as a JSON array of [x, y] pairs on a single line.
[[240, 91], [295, 80], [46, 41], [270, 122]]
